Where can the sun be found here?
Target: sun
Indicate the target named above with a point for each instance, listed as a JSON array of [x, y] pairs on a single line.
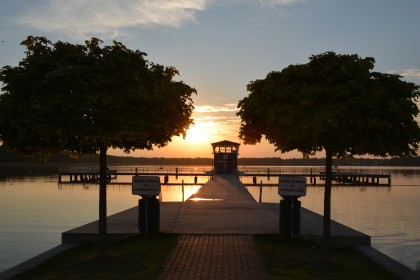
[[200, 132]]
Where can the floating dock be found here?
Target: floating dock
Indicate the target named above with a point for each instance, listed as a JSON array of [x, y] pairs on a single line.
[[350, 177]]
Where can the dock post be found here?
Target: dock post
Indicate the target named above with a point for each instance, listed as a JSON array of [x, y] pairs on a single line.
[[182, 190], [260, 191], [311, 178]]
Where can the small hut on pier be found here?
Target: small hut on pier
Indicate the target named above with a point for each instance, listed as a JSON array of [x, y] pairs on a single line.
[[225, 159]]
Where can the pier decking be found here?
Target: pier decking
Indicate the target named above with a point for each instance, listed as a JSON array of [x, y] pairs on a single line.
[[222, 206], [86, 174]]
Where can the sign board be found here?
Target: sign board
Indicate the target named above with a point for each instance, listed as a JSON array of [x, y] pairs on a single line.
[[292, 186], [146, 185]]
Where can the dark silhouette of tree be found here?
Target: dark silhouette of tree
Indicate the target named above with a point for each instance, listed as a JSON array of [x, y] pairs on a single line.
[[84, 99], [336, 104]]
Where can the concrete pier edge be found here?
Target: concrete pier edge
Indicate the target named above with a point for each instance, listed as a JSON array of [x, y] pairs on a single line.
[[36, 260], [396, 268]]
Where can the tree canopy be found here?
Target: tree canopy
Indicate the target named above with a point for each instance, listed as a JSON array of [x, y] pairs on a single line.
[[84, 99], [77, 98], [333, 103], [336, 103]]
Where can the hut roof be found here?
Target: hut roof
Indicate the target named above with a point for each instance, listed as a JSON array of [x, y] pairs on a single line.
[[225, 143]]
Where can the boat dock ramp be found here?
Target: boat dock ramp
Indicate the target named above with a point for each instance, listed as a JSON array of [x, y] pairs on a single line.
[[315, 176]]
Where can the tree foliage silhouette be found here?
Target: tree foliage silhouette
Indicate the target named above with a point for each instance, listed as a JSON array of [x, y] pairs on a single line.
[[85, 99], [336, 104]]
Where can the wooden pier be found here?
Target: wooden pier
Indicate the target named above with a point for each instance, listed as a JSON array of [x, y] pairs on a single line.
[[83, 174], [347, 178], [351, 177], [316, 176]]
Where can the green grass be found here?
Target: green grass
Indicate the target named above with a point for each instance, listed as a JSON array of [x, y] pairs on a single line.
[[142, 257], [292, 258]]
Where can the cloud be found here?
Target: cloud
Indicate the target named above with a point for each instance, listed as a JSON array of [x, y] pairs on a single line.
[[273, 3], [217, 118], [220, 121], [216, 109], [410, 73], [107, 18]]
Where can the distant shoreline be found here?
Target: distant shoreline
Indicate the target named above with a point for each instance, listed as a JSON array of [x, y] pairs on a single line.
[[12, 164], [25, 167]]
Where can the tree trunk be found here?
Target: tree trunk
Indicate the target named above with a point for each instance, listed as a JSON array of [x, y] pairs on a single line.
[[327, 208], [102, 201]]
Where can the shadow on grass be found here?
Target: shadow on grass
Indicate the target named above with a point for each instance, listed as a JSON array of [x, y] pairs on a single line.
[[294, 258], [140, 257]]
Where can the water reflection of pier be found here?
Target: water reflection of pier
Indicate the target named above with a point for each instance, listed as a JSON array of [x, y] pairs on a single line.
[[316, 176]]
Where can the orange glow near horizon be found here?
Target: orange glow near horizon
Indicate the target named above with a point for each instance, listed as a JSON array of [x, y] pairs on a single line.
[[211, 124]]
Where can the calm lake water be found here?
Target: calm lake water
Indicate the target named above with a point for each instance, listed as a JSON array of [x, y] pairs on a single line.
[[35, 210]]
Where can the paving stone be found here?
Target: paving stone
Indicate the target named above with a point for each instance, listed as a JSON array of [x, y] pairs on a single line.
[[214, 256]]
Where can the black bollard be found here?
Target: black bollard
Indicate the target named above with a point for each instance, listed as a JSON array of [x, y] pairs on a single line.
[[285, 224], [149, 214], [289, 223]]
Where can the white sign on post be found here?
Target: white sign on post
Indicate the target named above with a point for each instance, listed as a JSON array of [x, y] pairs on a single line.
[[292, 186], [146, 185]]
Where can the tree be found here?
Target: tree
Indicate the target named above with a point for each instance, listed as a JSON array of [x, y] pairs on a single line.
[[336, 104], [84, 99]]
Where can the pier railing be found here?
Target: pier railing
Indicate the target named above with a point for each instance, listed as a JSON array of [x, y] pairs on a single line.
[[309, 170], [132, 170]]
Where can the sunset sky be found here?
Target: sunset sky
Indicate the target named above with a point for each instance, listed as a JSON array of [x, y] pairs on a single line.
[[220, 46]]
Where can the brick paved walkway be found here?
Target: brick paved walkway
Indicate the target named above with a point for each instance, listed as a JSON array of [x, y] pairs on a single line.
[[214, 257]]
